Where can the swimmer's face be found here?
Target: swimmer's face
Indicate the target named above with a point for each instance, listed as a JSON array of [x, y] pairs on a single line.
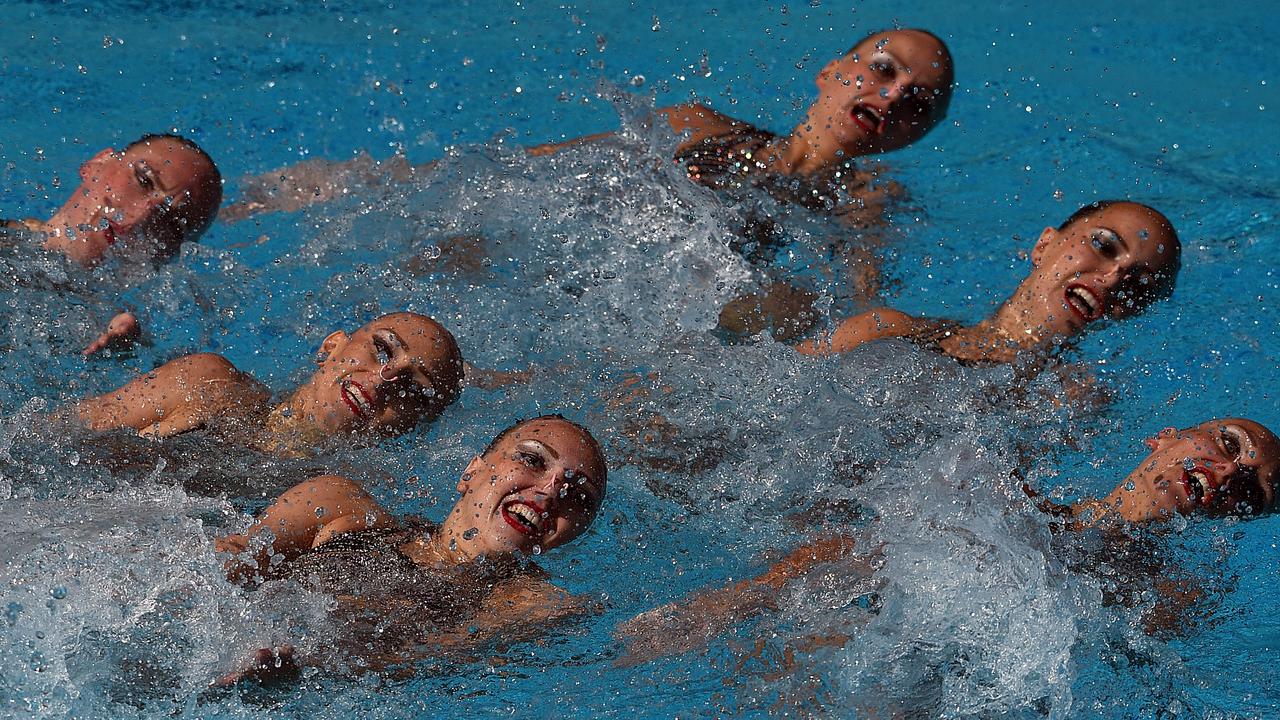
[[154, 192], [1107, 264], [1222, 467], [886, 93], [539, 487], [385, 377]]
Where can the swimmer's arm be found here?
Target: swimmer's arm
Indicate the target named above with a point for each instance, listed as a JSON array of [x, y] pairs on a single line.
[[679, 627], [515, 612], [175, 394], [555, 147], [865, 327], [309, 182], [304, 516], [698, 120]]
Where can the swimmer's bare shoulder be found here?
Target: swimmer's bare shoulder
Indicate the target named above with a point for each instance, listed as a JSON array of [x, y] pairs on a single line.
[[861, 328], [180, 395]]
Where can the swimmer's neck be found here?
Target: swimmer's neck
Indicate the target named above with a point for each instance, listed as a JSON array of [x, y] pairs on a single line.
[[989, 340], [440, 548], [801, 154], [806, 151]]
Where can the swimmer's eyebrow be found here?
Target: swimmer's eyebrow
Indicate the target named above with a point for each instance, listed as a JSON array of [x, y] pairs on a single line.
[[539, 445]]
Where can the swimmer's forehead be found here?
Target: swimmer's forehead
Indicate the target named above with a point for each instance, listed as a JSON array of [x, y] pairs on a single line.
[[560, 439], [915, 50], [1137, 228]]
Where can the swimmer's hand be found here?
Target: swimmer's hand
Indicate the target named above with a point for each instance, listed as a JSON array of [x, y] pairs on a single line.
[[122, 332], [677, 628], [267, 666]]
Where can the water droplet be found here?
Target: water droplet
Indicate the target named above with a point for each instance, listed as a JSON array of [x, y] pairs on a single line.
[[470, 533], [59, 592], [537, 550], [320, 512]]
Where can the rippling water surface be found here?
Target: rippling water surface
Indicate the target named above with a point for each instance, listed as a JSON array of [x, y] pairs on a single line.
[[604, 270]]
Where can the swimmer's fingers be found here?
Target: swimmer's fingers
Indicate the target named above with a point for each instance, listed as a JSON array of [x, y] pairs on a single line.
[[121, 332]]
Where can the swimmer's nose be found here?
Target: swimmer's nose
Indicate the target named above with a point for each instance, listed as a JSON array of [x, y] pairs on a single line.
[[554, 487], [1166, 434]]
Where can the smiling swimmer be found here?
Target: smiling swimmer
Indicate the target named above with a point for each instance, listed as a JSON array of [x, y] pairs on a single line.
[[381, 379], [538, 485], [1111, 258]]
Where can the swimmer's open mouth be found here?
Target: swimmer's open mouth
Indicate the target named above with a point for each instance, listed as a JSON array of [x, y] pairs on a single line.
[[867, 118], [358, 399], [526, 517], [1083, 302], [110, 233], [1199, 483]]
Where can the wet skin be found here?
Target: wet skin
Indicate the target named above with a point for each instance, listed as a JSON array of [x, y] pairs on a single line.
[[385, 376], [1103, 265], [139, 194], [1217, 468], [540, 487]]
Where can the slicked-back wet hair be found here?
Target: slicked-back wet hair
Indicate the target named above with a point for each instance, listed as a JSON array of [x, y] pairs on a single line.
[[1166, 278], [591, 439]]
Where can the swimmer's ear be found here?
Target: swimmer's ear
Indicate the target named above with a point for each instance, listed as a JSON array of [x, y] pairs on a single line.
[[473, 467], [1042, 244], [333, 343]]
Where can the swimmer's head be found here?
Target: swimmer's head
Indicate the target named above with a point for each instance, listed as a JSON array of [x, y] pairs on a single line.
[[385, 377], [538, 485], [1217, 468], [887, 92], [1111, 258], [161, 191]]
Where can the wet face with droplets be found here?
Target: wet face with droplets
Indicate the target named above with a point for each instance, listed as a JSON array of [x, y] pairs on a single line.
[[156, 192], [1110, 263], [886, 93], [1221, 467], [385, 377], [538, 487]]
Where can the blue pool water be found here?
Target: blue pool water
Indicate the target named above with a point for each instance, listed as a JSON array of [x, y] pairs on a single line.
[[604, 264]]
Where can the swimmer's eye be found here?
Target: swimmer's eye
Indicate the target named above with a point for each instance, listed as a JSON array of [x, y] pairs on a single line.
[[143, 175], [382, 350], [1230, 444], [882, 68], [916, 105], [533, 460]]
